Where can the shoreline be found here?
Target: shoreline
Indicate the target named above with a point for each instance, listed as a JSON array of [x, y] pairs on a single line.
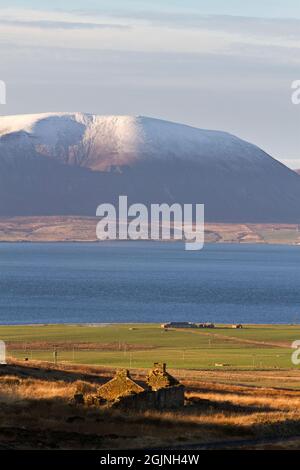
[[78, 229]]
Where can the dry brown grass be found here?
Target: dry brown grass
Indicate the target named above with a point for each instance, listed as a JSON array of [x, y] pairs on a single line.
[[83, 229], [13, 388], [36, 412]]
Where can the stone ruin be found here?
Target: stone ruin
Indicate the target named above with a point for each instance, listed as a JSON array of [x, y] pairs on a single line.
[[121, 385], [159, 378], [160, 391]]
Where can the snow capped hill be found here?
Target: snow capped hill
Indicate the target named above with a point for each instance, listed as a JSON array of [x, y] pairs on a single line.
[[68, 163], [100, 142]]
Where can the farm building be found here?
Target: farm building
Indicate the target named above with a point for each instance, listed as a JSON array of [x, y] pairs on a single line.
[[179, 324], [186, 324]]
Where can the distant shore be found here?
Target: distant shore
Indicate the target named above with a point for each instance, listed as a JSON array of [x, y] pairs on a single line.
[[83, 229]]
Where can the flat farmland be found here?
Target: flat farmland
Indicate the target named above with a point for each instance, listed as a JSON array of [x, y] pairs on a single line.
[[139, 345]]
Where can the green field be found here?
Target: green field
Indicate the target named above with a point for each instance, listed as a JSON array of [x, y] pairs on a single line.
[[139, 345]]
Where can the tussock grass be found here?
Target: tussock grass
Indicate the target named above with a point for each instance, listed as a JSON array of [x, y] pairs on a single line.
[[37, 412]]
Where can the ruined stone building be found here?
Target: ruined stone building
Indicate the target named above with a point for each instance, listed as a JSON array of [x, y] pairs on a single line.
[[120, 386], [158, 377], [160, 391]]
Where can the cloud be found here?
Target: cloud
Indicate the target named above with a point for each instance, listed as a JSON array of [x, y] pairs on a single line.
[[69, 25], [153, 32], [270, 27]]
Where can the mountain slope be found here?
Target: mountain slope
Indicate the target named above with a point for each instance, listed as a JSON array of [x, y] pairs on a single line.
[[68, 163]]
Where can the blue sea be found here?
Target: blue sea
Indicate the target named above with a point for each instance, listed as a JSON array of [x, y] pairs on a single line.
[[148, 282]]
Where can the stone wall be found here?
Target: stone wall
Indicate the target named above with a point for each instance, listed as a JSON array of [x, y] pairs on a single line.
[[162, 399]]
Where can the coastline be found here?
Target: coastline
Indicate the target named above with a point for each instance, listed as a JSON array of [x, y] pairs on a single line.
[[76, 229]]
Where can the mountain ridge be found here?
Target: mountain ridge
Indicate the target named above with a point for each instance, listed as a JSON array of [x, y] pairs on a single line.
[[68, 163], [117, 135]]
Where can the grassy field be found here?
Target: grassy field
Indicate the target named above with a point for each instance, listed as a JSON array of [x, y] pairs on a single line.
[[139, 345]]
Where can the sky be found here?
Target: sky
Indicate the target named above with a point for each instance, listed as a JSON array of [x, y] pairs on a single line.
[[211, 64]]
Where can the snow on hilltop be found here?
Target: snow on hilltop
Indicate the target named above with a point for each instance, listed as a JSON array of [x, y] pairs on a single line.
[[99, 142], [68, 163]]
